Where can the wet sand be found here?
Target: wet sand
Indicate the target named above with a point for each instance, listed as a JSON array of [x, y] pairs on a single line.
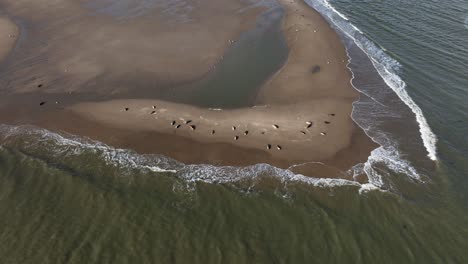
[[8, 36], [281, 126], [302, 114], [93, 46]]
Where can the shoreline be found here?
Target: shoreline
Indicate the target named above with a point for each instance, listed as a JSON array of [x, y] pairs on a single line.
[[190, 151], [304, 114]]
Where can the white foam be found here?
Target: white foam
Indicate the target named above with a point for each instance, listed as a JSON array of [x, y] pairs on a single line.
[[385, 65], [327, 4], [158, 169], [228, 174], [392, 159], [399, 86], [63, 146], [368, 187]]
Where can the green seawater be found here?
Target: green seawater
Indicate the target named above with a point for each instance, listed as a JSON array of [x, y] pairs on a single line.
[[84, 211]]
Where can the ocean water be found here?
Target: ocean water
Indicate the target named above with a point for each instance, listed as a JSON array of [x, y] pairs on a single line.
[[65, 199]]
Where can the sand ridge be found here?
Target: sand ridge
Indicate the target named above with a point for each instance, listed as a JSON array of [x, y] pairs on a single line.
[[301, 131]]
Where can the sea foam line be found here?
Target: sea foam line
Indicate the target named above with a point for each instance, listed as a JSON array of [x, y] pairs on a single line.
[[385, 65], [63, 146], [399, 86]]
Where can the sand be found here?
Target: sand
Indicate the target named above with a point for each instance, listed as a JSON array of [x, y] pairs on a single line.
[[295, 96], [93, 46], [301, 118], [258, 123], [316, 66], [8, 36]]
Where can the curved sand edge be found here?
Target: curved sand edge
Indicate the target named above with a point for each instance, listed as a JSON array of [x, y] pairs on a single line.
[[316, 65], [313, 86], [8, 36], [255, 127]]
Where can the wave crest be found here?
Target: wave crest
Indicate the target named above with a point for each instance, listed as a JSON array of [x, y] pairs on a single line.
[[64, 146], [386, 66]]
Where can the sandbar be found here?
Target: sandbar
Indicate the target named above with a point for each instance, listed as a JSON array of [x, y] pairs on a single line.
[[301, 116]]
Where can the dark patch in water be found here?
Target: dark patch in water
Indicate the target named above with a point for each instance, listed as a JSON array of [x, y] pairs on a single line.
[[250, 61]]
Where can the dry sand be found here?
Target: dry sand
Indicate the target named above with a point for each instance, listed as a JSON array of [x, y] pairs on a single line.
[[313, 86]]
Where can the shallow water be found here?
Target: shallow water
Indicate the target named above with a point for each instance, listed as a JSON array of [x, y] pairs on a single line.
[[41, 56], [233, 82], [71, 200], [78, 208], [176, 11], [250, 61]]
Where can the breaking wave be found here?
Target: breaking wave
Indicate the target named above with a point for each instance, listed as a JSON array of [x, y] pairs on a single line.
[[386, 66], [65, 147]]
